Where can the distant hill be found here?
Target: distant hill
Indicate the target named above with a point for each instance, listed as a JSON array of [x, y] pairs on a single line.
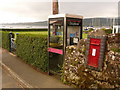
[[100, 22], [96, 22]]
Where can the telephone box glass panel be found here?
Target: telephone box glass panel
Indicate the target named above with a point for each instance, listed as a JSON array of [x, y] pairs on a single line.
[[73, 30], [56, 33], [56, 43]]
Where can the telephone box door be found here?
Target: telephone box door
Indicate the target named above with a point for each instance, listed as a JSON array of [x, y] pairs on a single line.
[[55, 49]]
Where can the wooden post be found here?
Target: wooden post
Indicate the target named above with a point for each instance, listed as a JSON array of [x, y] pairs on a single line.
[[55, 7]]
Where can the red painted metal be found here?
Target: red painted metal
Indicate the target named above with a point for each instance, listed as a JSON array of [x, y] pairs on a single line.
[[73, 21], [94, 52], [58, 51]]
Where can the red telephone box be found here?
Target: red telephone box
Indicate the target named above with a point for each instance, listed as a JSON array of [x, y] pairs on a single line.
[[64, 30], [94, 52]]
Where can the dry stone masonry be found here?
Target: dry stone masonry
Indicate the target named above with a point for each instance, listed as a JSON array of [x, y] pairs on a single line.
[[75, 72]]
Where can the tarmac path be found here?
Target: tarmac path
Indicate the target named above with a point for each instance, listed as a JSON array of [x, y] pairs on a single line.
[[26, 74]]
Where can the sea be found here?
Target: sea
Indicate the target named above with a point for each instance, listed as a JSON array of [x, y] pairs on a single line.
[[22, 27]]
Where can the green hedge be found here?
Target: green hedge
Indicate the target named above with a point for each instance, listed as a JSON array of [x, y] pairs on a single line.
[[0, 39], [5, 41], [33, 50], [108, 31]]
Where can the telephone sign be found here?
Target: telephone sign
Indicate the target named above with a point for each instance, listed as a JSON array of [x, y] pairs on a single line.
[[74, 22]]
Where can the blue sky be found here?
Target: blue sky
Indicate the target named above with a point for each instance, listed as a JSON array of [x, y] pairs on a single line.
[[37, 10]]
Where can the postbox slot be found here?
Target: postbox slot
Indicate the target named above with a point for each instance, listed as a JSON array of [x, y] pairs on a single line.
[[95, 43]]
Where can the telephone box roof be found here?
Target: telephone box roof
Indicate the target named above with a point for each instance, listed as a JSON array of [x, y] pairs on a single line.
[[65, 15]]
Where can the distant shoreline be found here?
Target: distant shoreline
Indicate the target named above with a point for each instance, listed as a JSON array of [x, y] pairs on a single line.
[[23, 27]]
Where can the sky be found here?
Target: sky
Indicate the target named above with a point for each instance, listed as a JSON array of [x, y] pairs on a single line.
[[14, 11]]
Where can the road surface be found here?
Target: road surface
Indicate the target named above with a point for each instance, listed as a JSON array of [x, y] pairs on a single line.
[[8, 81]]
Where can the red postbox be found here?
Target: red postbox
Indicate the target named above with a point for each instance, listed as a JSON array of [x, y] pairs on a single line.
[[94, 52]]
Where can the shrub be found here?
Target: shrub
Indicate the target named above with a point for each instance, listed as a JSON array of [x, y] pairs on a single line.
[[5, 41], [115, 50], [33, 50], [0, 39], [89, 30], [108, 31]]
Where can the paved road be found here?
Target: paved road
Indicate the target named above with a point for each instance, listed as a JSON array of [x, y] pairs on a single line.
[[29, 75], [8, 81]]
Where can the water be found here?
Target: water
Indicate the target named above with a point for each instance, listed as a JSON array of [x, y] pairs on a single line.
[[22, 27]]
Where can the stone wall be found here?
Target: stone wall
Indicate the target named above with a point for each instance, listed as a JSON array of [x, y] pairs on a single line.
[[76, 74], [114, 42]]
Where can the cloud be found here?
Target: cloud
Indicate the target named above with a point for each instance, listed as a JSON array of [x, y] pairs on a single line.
[[35, 10], [90, 9], [18, 11]]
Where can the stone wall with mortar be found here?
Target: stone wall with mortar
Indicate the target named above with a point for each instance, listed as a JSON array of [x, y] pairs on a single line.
[[114, 42], [76, 74]]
